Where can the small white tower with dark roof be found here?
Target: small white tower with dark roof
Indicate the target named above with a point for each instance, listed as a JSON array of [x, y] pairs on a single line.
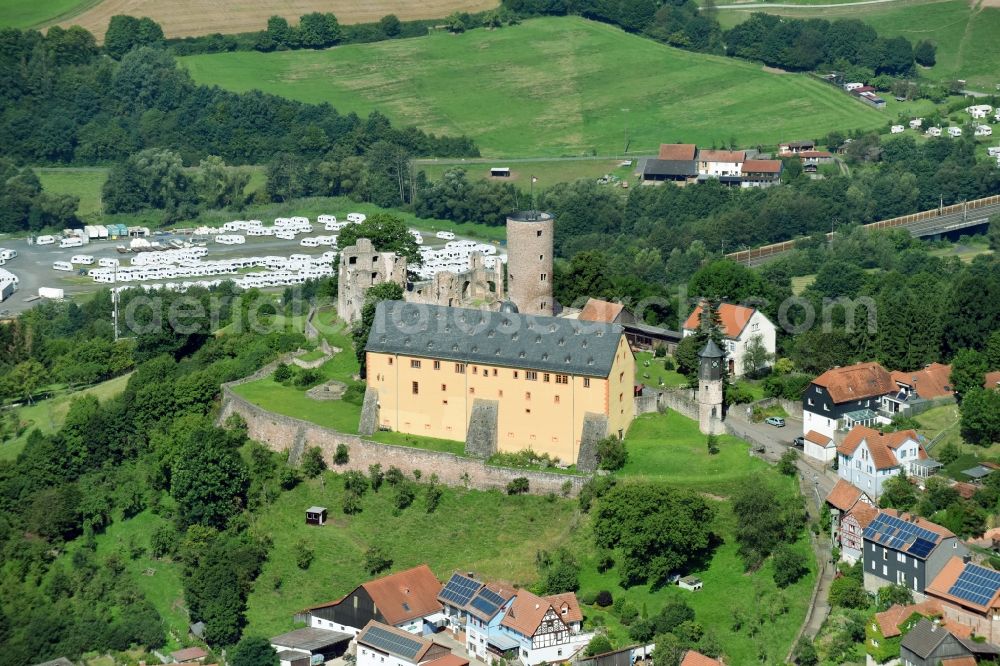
[[710, 389]]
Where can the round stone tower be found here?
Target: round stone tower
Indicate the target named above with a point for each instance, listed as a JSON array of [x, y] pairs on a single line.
[[529, 261]]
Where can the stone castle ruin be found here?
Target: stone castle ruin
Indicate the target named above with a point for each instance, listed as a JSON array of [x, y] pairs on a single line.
[[362, 267]]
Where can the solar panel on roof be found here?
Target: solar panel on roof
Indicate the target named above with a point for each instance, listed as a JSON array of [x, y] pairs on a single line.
[[388, 641], [976, 584], [492, 597], [921, 548], [460, 590], [485, 606]]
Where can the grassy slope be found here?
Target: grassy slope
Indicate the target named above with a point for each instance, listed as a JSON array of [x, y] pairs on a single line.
[[966, 36], [488, 533], [670, 447], [48, 415], [656, 372], [497, 537], [557, 86]]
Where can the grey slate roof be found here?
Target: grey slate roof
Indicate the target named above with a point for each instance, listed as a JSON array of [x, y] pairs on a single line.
[[532, 342], [656, 167], [924, 638], [711, 350]]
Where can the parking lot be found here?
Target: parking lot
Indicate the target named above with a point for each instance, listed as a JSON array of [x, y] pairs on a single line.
[[33, 265]]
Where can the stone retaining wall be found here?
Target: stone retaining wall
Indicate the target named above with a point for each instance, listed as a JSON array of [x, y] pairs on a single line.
[[284, 433]]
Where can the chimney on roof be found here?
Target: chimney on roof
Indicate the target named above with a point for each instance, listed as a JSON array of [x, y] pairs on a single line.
[[966, 559]]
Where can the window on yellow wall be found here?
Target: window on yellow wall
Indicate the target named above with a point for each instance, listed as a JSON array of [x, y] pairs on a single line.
[[414, 363], [557, 400], [415, 386], [459, 367], [530, 375], [516, 374], [621, 376], [390, 360], [562, 379], [501, 393], [475, 370], [586, 382], [444, 387], [472, 390], [494, 372], [545, 377], [437, 365], [527, 395]]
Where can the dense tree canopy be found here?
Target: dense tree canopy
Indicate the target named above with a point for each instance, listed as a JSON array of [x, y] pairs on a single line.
[[658, 529]]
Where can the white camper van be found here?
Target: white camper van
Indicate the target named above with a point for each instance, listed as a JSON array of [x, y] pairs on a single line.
[[45, 240], [74, 241], [62, 266]]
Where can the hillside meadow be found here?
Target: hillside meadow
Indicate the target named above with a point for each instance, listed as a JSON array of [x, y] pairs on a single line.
[[967, 35], [550, 87]]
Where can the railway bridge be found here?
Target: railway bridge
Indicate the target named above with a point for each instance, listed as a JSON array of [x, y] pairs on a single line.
[[942, 220]]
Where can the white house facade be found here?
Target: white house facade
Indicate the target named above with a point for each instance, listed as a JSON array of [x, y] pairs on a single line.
[[868, 458], [741, 327]]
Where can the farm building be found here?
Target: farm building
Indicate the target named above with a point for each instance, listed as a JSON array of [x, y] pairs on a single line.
[[720, 163], [500, 172], [677, 171], [871, 99], [310, 645], [795, 147], [406, 600], [638, 334], [760, 173]]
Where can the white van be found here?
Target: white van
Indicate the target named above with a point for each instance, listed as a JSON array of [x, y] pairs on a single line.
[[45, 240], [83, 259], [6, 254], [71, 242], [356, 218], [62, 266]]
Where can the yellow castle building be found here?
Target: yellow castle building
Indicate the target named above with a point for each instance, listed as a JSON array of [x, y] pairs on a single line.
[[500, 381]]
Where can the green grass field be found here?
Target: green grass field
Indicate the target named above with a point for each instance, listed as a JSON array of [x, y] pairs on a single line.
[[670, 447], [84, 182], [550, 87], [548, 172], [965, 33], [655, 374], [33, 13], [48, 415]]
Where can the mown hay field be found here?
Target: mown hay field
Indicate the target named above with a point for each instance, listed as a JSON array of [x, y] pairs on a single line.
[[550, 87], [188, 18]]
